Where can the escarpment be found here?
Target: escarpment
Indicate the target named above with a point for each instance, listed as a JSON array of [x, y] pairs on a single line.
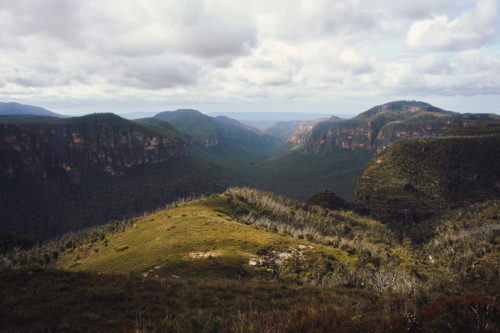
[[101, 142], [376, 128]]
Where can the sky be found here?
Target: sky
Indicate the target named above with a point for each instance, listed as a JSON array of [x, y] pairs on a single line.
[[336, 57]]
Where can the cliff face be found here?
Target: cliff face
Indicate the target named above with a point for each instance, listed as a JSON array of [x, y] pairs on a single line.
[[415, 179], [103, 143], [304, 130], [376, 128]]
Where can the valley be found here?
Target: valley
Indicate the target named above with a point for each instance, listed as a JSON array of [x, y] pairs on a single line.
[[184, 222]]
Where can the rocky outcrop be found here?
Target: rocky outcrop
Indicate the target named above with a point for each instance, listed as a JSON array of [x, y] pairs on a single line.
[[103, 143], [376, 128], [304, 130]]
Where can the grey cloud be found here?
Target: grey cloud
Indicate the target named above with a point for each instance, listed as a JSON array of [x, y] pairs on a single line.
[[157, 75], [57, 19], [418, 9], [219, 40]]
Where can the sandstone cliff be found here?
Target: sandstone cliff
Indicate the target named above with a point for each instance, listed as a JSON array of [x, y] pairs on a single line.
[[376, 128], [99, 142]]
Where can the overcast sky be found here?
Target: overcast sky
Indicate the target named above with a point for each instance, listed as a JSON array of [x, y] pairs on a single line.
[[341, 56]]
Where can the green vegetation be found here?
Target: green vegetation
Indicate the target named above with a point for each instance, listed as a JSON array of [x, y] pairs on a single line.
[[298, 174], [209, 131], [416, 179], [47, 207], [327, 199], [25, 118], [158, 127], [54, 300], [260, 262], [427, 260], [376, 128]]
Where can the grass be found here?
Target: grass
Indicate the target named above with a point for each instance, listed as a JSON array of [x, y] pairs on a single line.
[[54, 300], [196, 238], [188, 268]]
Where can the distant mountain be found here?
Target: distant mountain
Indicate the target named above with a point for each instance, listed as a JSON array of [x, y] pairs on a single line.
[[270, 116], [265, 120], [209, 131], [16, 108], [376, 128], [416, 179], [283, 129]]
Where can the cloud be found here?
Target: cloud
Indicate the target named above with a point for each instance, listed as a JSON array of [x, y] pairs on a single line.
[[417, 9], [472, 29], [207, 51], [432, 64], [304, 19], [156, 73], [355, 62]]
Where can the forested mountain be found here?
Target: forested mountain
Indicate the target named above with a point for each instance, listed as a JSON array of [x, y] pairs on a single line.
[[210, 131], [375, 129], [417, 179], [101, 167], [417, 250], [98, 142]]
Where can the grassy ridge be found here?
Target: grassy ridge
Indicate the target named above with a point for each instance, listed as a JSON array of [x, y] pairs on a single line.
[[263, 262], [189, 239]]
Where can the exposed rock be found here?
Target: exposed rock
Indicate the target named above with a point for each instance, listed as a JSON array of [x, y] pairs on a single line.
[[376, 128], [105, 143]]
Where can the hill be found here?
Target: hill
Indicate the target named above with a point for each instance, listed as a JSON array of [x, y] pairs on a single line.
[[64, 175], [102, 142], [21, 109], [377, 127], [265, 262], [265, 120], [209, 131], [416, 179]]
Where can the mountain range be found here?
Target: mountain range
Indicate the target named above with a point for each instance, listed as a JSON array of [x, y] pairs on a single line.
[[13, 108], [269, 263], [185, 152]]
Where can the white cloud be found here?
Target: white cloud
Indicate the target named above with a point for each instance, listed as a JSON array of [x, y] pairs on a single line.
[[472, 29], [216, 51], [355, 62], [417, 9], [432, 64]]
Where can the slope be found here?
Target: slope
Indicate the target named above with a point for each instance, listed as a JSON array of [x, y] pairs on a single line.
[[64, 175], [416, 179], [192, 239], [260, 262], [377, 127], [209, 131]]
